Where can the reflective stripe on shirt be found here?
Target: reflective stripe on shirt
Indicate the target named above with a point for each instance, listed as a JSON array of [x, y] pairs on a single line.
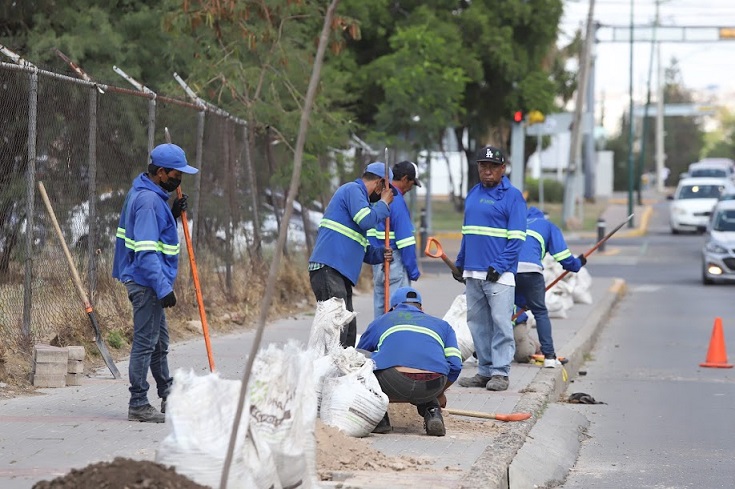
[[412, 328], [345, 231], [494, 232], [539, 238], [157, 246]]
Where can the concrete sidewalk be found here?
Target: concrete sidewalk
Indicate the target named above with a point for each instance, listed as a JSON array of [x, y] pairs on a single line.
[[44, 436]]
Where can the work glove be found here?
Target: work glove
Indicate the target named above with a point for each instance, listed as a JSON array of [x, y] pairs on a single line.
[[180, 205], [583, 259], [388, 255], [169, 300], [492, 274], [458, 276]]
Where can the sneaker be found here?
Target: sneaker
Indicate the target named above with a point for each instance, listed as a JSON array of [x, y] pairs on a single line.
[[145, 414], [476, 381], [551, 362], [434, 423], [497, 383], [384, 426], [163, 405]]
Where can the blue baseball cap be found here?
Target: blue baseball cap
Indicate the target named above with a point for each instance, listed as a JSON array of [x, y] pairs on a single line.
[[405, 294], [171, 156], [378, 168]]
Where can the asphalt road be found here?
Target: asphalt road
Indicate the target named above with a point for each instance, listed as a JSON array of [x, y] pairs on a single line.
[[668, 423]]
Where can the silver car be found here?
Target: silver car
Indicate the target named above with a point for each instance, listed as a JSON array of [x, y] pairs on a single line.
[[718, 254]]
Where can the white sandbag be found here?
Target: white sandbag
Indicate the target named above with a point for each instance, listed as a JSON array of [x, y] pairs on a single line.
[[324, 368], [354, 403], [456, 316], [526, 344], [199, 416], [329, 319], [283, 411], [581, 293], [555, 305]]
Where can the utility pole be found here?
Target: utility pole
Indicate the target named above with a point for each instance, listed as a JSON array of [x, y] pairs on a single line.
[[576, 139], [660, 122], [589, 160], [631, 134]]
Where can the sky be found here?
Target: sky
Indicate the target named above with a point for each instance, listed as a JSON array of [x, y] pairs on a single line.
[[705, 67]]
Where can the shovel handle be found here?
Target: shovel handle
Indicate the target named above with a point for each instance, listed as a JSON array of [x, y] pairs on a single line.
[[497, 416], [438, 253]]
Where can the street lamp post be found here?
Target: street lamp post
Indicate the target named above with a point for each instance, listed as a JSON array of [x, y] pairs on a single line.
[[631, 134]]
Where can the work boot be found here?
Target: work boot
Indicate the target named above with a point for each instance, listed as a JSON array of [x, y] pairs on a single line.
[[145, 414], [384, 426], [434, 423], [497, 383], [163, 405], [476, 381]]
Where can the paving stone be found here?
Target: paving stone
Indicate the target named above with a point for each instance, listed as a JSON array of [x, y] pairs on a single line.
[[49, 380], [75, 367], [76, 352], [50, 354]]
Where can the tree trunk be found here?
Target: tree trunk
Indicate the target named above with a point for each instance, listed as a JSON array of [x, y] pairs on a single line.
[[249, 134]]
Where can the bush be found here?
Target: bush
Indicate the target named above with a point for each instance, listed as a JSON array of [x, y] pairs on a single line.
[[553, 190]]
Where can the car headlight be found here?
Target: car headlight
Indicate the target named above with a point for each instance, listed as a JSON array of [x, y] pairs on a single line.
[[713, 247], [679, 211]]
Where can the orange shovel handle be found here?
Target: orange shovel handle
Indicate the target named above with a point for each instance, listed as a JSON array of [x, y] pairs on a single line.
[[438, 253]]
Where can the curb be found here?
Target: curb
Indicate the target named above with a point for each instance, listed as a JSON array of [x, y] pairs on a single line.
[[490, 470]]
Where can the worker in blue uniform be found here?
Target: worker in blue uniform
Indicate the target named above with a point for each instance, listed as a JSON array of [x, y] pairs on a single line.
[[416, 358], [341, 243], [493, 232], [404, 268]]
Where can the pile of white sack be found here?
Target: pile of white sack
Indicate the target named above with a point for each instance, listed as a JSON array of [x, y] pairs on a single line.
[[574, 288], [275, 445], [348, 393]]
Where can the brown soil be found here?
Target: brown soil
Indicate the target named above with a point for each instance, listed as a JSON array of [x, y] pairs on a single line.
[[121, 473]]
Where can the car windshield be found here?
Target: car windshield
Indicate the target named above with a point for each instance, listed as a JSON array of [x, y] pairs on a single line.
[[727, 196], [724, 221], [700, 192], [708, 172]]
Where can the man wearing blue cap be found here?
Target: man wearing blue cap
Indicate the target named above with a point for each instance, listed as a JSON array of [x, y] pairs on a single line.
[[341, 243], [147, 261], [416, 358]]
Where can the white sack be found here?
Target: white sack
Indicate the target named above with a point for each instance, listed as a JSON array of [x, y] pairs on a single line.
[[456, 316]]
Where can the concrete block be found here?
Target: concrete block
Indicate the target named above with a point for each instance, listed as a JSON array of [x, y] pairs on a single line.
[[45, 380], [57, 369], [76, 352], [50, 354], [75, 367], [73, 379]]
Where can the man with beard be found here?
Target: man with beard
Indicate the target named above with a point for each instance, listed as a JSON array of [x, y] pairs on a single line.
[[342, 244], [493, 233], [147, 261]]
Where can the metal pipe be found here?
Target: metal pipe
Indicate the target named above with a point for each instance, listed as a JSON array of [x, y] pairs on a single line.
[[30, 199]]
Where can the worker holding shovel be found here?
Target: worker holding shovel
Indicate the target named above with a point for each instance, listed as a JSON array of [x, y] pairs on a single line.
[[147, 262], [493, 232], [542, 236]]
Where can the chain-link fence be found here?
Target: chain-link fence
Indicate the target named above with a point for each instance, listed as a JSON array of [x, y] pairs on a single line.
[[87, 143]]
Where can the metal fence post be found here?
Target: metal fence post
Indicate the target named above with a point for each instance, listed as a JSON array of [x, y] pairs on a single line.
[[151, 124], [30, 200], [201, 115], [92, 193], [601, 233]]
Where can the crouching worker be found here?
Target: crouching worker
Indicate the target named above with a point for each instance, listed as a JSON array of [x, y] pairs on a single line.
[[416, 358]]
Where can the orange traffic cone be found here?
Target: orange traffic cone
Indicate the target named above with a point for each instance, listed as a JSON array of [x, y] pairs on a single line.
[[716, 355]]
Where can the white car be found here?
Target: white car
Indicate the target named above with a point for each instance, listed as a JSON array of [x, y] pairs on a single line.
[[693, 201], [718, 253]]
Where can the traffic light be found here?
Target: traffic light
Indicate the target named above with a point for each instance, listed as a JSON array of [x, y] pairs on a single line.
[[518, 116]]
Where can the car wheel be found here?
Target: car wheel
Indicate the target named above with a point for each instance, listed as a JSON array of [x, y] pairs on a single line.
[[675, 231]]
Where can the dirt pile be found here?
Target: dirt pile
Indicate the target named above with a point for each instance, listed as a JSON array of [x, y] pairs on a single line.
[[121, 473]]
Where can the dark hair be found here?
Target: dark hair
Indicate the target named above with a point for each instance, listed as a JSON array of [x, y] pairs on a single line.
[[153, 169]]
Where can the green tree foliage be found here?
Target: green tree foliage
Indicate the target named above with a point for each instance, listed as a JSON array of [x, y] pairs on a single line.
[[721, 143]]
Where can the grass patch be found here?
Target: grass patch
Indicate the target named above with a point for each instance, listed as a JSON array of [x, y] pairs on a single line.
[[116, 339]]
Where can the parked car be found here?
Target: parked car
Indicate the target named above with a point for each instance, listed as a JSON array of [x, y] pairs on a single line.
[[713, 169], [718, 253], [693, 201]]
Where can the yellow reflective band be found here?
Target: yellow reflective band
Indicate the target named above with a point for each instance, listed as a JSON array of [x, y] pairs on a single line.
[[361, 214], [402, 243], [494, 232], [157, 246], [345, 231], [381, 234], [410, 327], [517, 235], [540, 239], [562, 255], [452, 352]]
